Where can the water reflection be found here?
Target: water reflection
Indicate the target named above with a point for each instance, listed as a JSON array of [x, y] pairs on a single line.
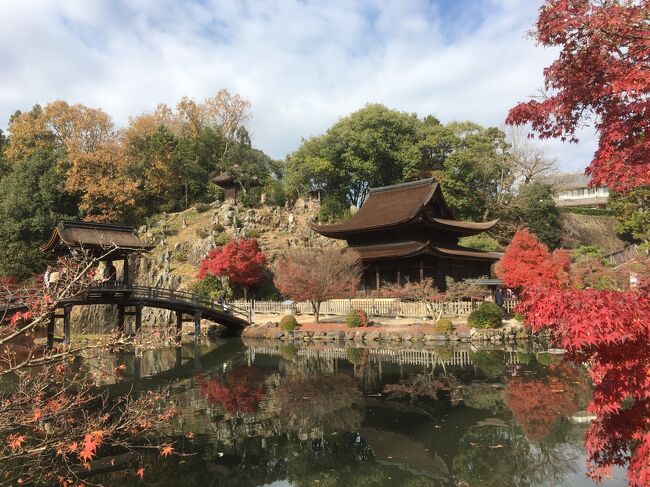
[[255, 413]]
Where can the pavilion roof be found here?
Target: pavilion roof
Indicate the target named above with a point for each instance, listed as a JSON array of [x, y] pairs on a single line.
[[400, 204], [223, 178], [413, 248], [93, 236]]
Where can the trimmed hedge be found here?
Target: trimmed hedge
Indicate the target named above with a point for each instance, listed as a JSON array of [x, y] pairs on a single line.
[[288, 323], [488, 315], [443, 325], [356, 318]]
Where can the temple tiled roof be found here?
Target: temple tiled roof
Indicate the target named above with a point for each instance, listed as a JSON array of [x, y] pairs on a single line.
[[400, 204]]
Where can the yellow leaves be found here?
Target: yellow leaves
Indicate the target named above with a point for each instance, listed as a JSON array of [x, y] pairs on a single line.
[[15, 441]]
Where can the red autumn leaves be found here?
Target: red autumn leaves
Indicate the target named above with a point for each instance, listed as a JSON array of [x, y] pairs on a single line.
[[241, 261], [600, 77], [607, 329]]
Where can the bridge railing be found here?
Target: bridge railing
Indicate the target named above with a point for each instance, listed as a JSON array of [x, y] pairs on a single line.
[[166, 294]]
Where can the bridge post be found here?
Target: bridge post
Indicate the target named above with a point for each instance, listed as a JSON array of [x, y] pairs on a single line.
[[197, 326], [50, 331], [179, 324], [66, 325], [120, 318], [138, 317], [125, 271]]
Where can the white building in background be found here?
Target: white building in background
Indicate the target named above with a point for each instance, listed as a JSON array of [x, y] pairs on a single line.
[[572, 190]]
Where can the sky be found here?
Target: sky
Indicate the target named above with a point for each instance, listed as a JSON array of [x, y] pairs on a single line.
[[302, 64]]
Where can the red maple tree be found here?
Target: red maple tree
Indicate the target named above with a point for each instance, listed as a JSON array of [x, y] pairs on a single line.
[[608, 329], [601, 75], [242, 261]]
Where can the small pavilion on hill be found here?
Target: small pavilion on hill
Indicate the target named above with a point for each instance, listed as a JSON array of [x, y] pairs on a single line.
[[100, 240], [407, 232]]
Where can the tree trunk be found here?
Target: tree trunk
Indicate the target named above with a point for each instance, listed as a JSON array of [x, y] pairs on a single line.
[[316, 307]]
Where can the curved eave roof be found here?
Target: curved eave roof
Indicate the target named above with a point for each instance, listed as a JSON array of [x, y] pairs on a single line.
[[415, 248], [465, 226], [391, 206], [69, 234], [384, 207]]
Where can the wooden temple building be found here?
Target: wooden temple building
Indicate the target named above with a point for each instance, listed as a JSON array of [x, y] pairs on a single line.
[[103, 241], [407, 232]]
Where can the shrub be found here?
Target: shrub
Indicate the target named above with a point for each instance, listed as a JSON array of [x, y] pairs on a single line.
[[488, 315], [211, 287], [288, 323], [332, 210], [218, 228], [253, 233], [201, 207], [202, 232], [356, 318], [221, 238], [443, 325], [214, 192]]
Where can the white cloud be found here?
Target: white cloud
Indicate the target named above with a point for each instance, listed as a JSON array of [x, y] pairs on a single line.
[[302, 64]]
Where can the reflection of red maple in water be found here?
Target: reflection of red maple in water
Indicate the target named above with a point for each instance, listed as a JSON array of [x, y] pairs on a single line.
[[240, 391], [538, 403]]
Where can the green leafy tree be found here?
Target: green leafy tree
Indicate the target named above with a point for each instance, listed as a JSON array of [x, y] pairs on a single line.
[[370, 147], [32, 202], [475, 170], [537, 211], [633, 214]]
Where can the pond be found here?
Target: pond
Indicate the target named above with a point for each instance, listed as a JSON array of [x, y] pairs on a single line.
[[263, 413]]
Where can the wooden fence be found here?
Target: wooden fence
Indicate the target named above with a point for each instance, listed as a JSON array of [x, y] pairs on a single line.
[[374, 307]]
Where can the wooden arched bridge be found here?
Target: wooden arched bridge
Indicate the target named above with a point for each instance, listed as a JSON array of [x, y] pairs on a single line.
[[130, 300]]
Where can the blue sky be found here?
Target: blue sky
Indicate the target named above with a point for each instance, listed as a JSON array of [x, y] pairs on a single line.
[[302, 64]]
